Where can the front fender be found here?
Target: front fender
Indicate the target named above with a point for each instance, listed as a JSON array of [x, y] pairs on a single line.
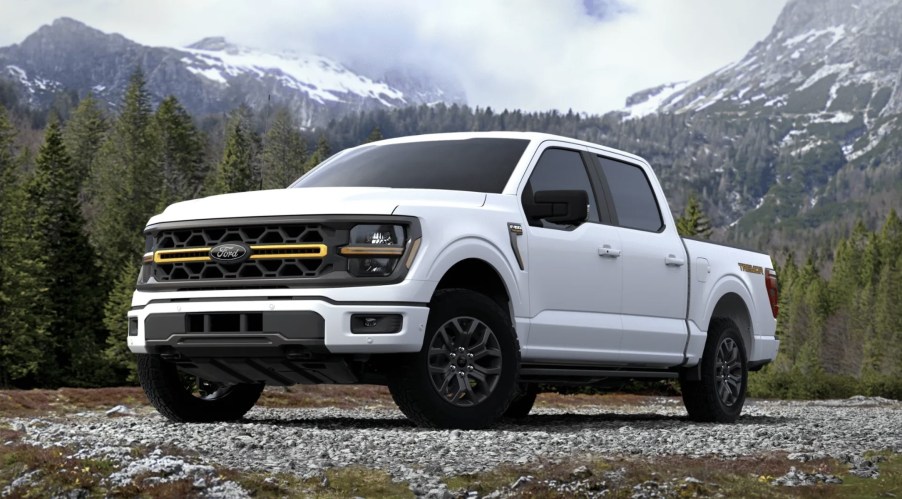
[[481, 249]]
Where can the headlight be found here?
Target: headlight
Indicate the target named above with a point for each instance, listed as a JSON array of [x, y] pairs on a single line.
[[374, 250], [146, 270], [378, 235]]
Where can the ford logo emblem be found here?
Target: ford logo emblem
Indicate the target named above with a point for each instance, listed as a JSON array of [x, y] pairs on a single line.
[[229, 253]]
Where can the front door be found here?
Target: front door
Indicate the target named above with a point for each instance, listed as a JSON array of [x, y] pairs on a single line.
[[575, 273]]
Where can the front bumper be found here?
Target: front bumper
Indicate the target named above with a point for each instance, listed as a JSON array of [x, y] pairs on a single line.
[[289, 324]]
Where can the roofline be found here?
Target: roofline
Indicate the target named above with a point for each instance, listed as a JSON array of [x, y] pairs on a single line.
[[531, 136]]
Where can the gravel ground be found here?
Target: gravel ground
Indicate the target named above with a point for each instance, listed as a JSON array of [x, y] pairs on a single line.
[[307, 441]]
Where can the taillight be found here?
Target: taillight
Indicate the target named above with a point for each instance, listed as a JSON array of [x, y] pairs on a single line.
[[770, 282]]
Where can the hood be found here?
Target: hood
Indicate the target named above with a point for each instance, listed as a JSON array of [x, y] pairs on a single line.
[[313, 201]]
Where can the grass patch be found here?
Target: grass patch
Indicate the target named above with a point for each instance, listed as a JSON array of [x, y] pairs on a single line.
[[337, 483], [563, 400], [37, 403], [506, 475], [28, 403], [50, 471], [749, 476], [340, 396], [888, 484]]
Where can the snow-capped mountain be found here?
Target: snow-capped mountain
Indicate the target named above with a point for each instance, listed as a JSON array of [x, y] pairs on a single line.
[[824, 62], [821, 56], [803, 131], [209, 76]]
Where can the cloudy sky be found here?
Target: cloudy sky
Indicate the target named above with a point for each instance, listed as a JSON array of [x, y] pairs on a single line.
[[585, 55]]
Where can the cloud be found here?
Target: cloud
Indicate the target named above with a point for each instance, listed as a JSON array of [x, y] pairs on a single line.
[[588, 55]]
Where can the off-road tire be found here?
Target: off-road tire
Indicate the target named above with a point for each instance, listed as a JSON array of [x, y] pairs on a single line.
[[703, 398], [411, 383], [166, 391], [524, 400]]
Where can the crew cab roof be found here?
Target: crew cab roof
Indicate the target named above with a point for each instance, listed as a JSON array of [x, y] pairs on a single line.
[[536, 137]]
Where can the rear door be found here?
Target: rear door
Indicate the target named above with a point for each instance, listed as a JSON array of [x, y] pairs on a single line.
[[655, 274], [574, 272]]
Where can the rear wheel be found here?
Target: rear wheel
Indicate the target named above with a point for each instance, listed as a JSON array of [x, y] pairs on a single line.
[[188, 399], [719, 394], [465, 375]]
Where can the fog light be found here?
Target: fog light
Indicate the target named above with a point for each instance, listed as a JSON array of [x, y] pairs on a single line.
[[132, 326], [376, 323]]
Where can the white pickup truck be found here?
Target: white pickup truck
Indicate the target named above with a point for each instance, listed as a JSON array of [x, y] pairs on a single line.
[[463, 270]]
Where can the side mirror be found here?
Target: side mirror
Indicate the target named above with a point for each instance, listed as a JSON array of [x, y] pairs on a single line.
[[561, 207]]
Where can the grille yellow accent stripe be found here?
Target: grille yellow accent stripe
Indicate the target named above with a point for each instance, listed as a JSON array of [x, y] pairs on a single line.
[[371, 250], [288, 251], [182, 255], [272, 252]]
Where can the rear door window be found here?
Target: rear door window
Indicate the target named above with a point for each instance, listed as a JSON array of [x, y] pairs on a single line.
[[631, 192]]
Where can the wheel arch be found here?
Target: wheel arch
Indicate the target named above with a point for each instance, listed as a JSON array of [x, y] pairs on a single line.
[[480, 276], [478, 265], [732, 306]]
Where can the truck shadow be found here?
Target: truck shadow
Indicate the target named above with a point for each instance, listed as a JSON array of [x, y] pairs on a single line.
[[562, 423], [568, 422]]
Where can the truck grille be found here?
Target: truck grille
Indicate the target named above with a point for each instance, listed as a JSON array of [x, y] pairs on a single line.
[[276, 251]]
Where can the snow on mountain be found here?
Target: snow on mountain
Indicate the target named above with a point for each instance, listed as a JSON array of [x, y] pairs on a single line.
[[824, 62], [210, 76], [323, 79], [842, 54], [651, 100]]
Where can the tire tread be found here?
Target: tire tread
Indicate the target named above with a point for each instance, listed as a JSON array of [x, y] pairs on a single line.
[[162, 385], [407, 393], [699, 396]]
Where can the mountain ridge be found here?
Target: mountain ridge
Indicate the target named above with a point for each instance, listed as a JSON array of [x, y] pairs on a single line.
[[209, 76], [825, 151], [822, 45], [824, 88]]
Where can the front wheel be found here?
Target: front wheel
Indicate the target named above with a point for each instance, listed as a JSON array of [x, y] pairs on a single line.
[[187, 399], [465, 375], [720, 393], [522, 404]]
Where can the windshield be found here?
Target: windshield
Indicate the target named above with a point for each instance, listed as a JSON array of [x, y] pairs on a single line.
[[479, 165]]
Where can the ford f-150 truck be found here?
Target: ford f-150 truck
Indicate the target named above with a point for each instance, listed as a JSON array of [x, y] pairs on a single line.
[[463, 271]]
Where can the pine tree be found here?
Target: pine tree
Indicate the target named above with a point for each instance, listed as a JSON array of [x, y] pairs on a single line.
[[375, 135], [284, 152], [890, 240], [115, 320], [888, 319], [83, 136], [694, 222], [238, 170], [23, 332], [126, 187], [125, 184], [320, 154], [181, 153], [73, 302]]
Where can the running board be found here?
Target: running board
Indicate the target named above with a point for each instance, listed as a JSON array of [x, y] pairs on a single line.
[[537, 373]]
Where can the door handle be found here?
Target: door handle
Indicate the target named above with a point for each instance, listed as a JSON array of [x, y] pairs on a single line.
[[609, 252], [673, 261]]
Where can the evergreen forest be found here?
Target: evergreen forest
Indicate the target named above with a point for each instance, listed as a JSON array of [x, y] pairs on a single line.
[[78, 182]]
